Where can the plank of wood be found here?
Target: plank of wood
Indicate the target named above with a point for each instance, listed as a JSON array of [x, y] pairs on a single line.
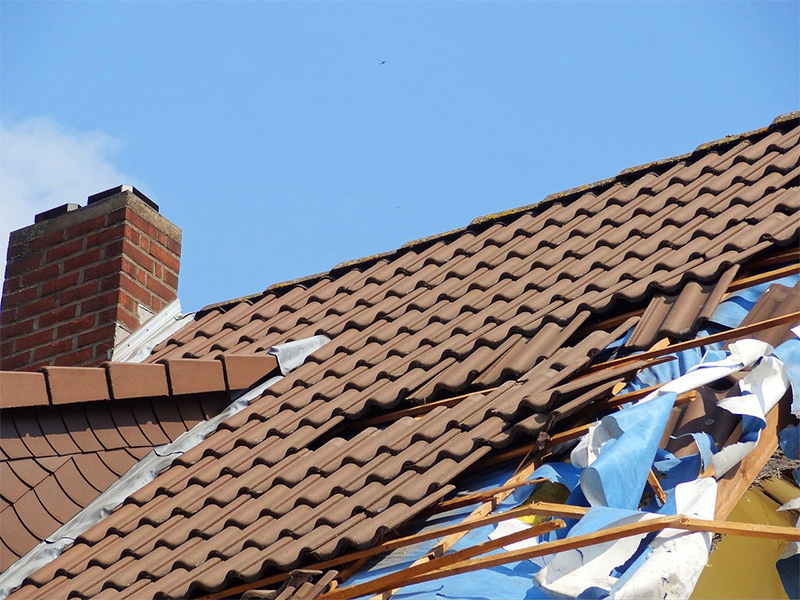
[[776, 258], [475, 498], [732, 486], [439, 567], [656, 485], [746, 282], [703, 341], [446, 566]]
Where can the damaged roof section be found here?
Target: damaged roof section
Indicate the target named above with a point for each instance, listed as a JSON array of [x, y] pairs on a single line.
[[501, 338], [515, 307]]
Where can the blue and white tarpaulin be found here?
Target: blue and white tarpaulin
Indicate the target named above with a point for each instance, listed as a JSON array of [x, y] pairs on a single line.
[[617, 453], [608, 473], [734, 308], [635, 566]]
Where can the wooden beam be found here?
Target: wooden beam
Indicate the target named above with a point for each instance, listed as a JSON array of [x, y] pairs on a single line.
[[732, 486], [419, 409], [777, 258], [443, 566], [475, 498], [760, 278], [655, 484], [575, 432], [390, 545], [446, 566], [703, 341]]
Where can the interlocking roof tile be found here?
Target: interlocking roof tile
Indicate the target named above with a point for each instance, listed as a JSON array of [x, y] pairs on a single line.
[[60, 452], [510, 308]]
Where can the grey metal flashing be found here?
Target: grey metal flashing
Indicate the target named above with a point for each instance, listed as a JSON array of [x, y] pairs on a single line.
[[289, 356], [138, 346]]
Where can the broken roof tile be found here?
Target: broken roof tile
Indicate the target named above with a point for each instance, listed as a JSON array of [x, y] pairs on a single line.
[[510, 301]]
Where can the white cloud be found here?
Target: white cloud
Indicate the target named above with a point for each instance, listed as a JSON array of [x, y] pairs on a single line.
[[44, 164]]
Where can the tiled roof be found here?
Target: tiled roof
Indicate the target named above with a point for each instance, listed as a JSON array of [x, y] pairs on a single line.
[[510, 306], [123, 381], [66, 434]]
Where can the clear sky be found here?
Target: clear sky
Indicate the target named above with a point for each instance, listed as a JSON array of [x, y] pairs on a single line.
[[273, 135]]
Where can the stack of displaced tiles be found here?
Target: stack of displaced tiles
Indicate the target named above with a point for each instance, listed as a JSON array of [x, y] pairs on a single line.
[[510, 302]]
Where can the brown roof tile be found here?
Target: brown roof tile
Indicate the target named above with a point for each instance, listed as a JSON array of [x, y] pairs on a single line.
[[508, 301], [76, 384], [22, 389]]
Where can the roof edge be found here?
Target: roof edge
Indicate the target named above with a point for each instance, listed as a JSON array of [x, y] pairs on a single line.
[[621, 178]]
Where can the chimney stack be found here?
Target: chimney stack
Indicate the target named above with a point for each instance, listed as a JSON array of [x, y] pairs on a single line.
[[81, 279]]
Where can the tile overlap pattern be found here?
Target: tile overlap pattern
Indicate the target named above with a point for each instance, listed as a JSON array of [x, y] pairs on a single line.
[[54, 460], [498, 304]]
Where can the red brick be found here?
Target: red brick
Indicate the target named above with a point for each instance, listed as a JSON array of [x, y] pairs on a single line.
[[107, 235], [127, 302], [157, 305], [22, 265], [59, 252], [86, 227], [12, 284], [113, 249], [16, 250], [165, 257], [87, 258], [104, 268], [173, 246], [161, 237], [40, 275], [101, 334], [57, 316], [129, 267], [9, 314], [107, 316], [106, 300], [16, 362], [17, 298], [134, 289], [37, 307], [140, 223], [116, 216], [10, 330], [49, 350], [158, 288], [54, 285], [46, 241], [132, 323], [76, 326], [88, 289], [7, 348], [137, 256], [78, 358], [134, 235], [37, 338], [110, 283]]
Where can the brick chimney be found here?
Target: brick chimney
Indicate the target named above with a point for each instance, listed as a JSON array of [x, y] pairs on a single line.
[[81, 279]]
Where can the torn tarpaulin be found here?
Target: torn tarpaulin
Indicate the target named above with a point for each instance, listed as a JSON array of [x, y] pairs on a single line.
[[617, 454]]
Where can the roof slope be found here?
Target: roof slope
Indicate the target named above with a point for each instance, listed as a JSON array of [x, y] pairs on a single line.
[[511, 301], [68, 433]]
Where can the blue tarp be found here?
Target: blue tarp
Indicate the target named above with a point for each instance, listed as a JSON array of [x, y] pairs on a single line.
[[731, 312]]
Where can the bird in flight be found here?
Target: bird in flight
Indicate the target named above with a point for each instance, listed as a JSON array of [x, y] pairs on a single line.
[[383, 62]]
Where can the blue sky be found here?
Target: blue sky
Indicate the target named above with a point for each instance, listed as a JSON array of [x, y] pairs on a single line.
[[271, 133]]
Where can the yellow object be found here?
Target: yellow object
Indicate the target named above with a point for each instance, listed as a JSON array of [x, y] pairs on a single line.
[[780, 490], [744, 567], [547, 491]]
